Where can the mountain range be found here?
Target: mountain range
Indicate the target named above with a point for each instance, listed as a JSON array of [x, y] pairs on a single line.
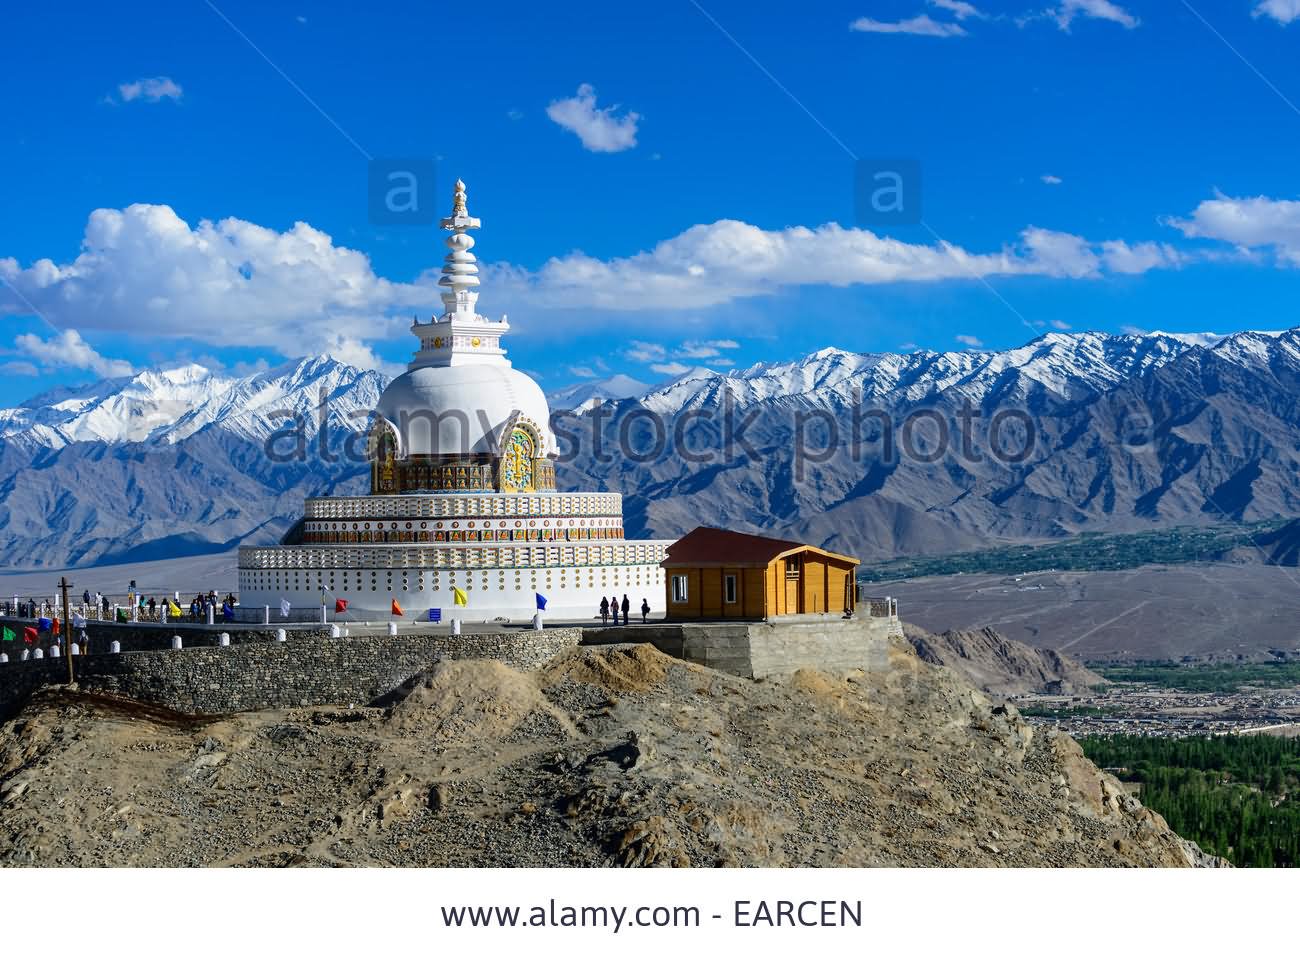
[[872, 454]]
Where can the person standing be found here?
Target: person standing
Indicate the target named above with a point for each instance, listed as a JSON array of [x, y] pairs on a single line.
[[604, 610], [645, 611], [627, 606]]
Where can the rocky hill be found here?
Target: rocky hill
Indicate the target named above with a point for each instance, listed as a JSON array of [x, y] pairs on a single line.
[[612, 756], [1000, 666]]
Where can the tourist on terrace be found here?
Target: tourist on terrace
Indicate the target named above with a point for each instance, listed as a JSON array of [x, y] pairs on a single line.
[[645, 611], [604, 610], [627, 606]]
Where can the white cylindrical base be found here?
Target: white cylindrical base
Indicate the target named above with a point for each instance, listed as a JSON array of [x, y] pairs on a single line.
[[280, 635], [74, 649], [266, 614], [336, 631], [55, 651], [115, 648], [37, 653], [346, 632], [4, 659], [392, 628], [537, 622], [455, 626], [176, 642], [26, 654], [223, 639]]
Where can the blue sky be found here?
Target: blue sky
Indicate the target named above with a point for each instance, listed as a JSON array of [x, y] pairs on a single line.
[[661, 184]]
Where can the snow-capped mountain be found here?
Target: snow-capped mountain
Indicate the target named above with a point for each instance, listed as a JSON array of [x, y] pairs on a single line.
[[583, 395], [170, 405], [1120, 432]]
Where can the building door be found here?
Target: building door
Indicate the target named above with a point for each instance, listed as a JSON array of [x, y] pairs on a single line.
[[793, 593]]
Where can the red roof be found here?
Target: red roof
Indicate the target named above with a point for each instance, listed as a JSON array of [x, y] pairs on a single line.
[[717, 546]]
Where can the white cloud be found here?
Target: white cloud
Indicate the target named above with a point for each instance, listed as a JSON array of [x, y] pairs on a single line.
[[970, 341], [921, 25], [1283, 11], [1051, 180], [704, 349], [959, 9], [1253, 223], [1059, 325], [151, 90], [68, 350], [145, 271], [600, 130], [716, 263], [1065, 13], [18, 367], [670, 368], [583, 372], [646, 351]]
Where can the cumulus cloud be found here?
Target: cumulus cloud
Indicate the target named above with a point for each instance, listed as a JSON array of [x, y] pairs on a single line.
[[1283, 11], [646, 351], [670, 368], [959, 9], [704, 349], [145, 271], [1051, 180], [1254, 223], [921, 25], [601, 130], [68, 350], [1069, 10], [150, 90], [715, 263]]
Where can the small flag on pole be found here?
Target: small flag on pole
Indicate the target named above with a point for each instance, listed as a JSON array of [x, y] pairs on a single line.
[[9, 634], [29, 635], [173, 609], [397, 609], [44, 624], [541, 602], [340, 605], [458, 596], [284, 607]]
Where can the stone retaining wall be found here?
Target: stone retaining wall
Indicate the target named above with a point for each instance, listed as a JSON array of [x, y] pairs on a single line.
[[299, 672], [151, 636], [765, 649]]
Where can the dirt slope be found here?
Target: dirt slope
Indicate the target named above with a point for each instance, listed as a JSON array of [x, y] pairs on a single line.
[[612, 756], [1001, 666]]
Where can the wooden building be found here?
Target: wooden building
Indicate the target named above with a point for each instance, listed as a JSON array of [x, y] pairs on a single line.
[[714, 573]]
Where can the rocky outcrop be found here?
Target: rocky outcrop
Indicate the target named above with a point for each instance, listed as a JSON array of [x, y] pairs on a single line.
[[613, 756], [1000, 665]]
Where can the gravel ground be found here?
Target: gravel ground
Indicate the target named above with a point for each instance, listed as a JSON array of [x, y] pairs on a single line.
[[610, 756]]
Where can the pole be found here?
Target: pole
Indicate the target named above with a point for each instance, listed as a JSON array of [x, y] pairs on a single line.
[[67, 628]]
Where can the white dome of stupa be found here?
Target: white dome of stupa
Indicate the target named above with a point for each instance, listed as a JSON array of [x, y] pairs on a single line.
[[459, 393], [456, 410]]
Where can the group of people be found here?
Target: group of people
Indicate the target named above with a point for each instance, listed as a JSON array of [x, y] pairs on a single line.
[[613, 606]]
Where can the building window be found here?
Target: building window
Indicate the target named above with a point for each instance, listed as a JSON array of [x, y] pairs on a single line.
[[792, 567], [729, 588], [679, 589]]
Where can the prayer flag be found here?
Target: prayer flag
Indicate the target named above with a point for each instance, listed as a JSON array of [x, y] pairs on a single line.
[[397, 609], [458, 596], [44, 624], [340, 605], [9, 634], [29, 635], [541, 602]]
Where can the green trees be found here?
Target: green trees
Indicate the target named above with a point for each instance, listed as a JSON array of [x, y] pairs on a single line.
[[1234, 796]]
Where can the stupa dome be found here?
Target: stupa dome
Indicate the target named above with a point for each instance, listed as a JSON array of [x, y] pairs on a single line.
[[462, 409]]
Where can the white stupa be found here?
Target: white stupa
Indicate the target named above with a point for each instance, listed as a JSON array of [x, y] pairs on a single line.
[[462, 493]]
